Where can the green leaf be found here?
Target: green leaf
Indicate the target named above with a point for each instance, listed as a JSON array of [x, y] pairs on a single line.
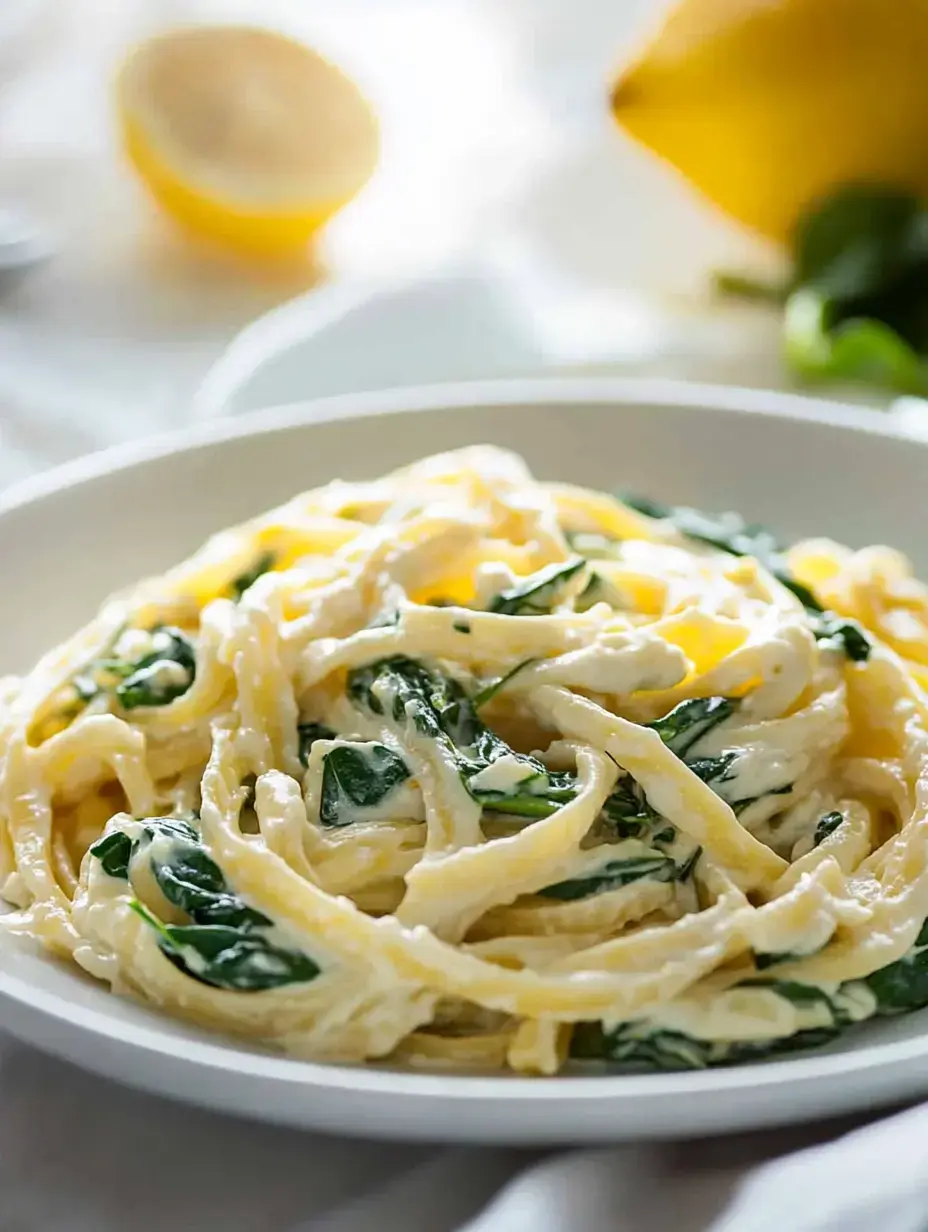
[[857, 241], [827, 824], [538, 594], [246, 580], [611, 876], [308, 734], [688, 722], [845, 635], [405, 691], [228, 958], [903, 986], [728, 532], [490, 690], [113, 850], [190, 879], [640, 1045], [162, 675], [820, 346], [227, 943], [357, 777]]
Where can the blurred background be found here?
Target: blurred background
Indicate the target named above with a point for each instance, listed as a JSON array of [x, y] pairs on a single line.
[[511, 224]]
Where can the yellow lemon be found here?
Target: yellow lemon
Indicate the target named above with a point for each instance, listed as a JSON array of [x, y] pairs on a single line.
[[243, 135], [766, 105]]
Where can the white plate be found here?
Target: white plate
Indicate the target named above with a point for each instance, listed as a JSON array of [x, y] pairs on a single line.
[[68, 538]]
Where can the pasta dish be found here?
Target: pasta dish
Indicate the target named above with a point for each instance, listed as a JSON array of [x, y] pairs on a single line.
[[456, 768]]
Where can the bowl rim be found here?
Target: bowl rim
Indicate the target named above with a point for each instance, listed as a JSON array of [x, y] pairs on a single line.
[[226, 1058]]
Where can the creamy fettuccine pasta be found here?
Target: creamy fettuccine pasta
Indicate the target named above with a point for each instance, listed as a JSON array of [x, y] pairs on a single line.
[[457, 768]]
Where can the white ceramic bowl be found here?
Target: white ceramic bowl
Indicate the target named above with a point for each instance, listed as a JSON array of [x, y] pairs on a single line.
[[70, 537]]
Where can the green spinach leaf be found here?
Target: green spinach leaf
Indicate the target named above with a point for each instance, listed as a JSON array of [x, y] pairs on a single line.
[[827, 824], [165, 673], [691, 720], [227, 944], [308, 734], [611, 876], [356, 777], [405, 691], [264, 564], [538, 594]]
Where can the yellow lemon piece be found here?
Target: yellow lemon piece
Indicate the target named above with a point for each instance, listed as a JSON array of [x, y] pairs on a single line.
[[766, 105], [243, 135]]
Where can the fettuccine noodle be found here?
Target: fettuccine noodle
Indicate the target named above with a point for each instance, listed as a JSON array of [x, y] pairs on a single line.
[[459, 769]]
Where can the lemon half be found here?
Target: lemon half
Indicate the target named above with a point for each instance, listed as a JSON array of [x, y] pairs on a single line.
[[245, 136], [768, 105]]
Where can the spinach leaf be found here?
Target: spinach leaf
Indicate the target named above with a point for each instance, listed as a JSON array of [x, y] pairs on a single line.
[[845, 635], [903, 985], [857, 302], [308, 734], [538, 594], [611, 876], [641, 1045], [162, 675], [638, 1046], [357, 777], [227, 944], [691, 720], [246, 580], [490, 690], [627, 811], [827, 824], [113, 850], [228, 957], [406, 691], [728, 532]]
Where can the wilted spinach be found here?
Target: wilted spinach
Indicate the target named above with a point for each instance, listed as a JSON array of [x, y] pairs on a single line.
[[227, 944], [538, 594], [640, 1045], [162, 675], [264, 564], [308, 734], [691, 720], [164, 672], [728, 532], [407, 692], [356, 777], [827, 824], [616, 873]]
